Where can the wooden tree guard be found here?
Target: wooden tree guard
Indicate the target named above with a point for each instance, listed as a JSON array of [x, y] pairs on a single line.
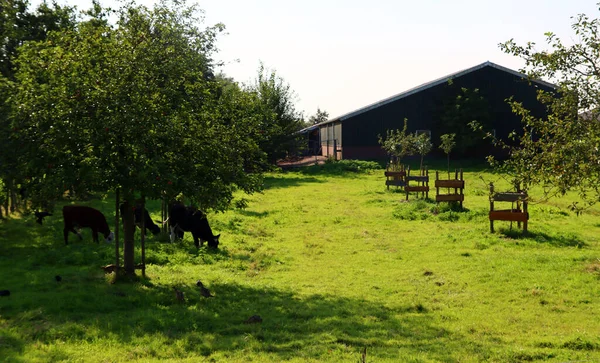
[[395, 175], [457, 184], [518, 214], [422, 183]]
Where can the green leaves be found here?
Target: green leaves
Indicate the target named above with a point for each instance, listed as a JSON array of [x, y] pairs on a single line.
[[560, 151], [135, 105]]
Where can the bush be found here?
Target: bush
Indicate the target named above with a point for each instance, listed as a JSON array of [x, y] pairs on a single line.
[[342, 166]]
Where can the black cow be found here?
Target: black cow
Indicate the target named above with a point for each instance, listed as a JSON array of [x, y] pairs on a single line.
[[148, 223], [77, 216], [188, 219]]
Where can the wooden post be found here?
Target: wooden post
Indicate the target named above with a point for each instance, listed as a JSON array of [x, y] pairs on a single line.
[[143, 241], [491, 206], [462, 190], [526, 213], [426, 182], [407, 176], [117, 231], [437, 189]]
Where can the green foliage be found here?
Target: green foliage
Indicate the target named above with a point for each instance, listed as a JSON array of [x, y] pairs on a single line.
[[20, 24], [398, 143], [318, 117], [459, 111], [447, 143], [560, 152], [422, 146], [133, 106], [279, 121], [339, 167]]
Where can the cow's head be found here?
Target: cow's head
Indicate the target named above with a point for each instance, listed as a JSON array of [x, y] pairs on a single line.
[[214, 242], [110, 238]]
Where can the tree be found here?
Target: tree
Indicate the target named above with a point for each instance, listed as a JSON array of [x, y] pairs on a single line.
[[280, 121], [318, 117], [459, 112], [447, 144], [560, 151], [19, 24], [422, 146], [133, 107], [398, 143]]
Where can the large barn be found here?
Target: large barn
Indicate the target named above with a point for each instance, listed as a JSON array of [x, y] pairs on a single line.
[[446, 105]]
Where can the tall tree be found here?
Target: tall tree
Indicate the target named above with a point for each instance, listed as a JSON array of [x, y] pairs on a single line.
[[318, 117], [18, 25], [280, 119], [133, 106], [560, 151]]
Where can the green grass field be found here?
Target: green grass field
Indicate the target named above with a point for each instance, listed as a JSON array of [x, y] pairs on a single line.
[[333, 263]]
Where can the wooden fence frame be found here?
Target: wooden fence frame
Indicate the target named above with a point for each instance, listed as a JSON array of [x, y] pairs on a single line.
[[395, 175], [422, 183], [518, 214], [457, 184]]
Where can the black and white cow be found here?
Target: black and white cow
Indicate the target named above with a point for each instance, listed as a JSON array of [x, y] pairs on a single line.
[[77, 216], [148, 223], [188, 219]]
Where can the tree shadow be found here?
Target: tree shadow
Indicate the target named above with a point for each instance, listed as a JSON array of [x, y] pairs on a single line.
[[251, 213], [569, 240], [205, 326], [274, 182]]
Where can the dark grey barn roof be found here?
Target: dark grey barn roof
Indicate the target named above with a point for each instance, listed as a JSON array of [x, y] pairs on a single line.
[[424, 87]]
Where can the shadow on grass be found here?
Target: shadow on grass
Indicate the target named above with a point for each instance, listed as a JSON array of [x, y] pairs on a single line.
[[251, 213], [541, 237], [147, 311], [146, 317], [273, 182]]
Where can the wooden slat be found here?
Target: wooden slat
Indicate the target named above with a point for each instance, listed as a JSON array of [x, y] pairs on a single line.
[[398, 183], [416, 189], [418, 178], [508, 215], [508, 197], [395, 173], [450, 198], [450, 184]]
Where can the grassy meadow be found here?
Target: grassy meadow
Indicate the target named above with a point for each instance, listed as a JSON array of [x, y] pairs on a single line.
[[334, 263]]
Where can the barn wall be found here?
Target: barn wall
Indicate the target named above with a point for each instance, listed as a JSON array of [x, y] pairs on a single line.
[[423, 110]]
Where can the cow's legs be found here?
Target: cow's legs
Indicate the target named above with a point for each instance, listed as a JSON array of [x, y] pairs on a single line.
[[70, 228], [95, 235], [66, 233], [197, 241]]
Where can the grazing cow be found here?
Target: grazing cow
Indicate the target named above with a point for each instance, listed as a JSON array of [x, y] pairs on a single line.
[[77, 216], [148, 223], [188, 219]]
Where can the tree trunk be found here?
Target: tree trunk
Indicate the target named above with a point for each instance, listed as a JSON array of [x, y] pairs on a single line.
[[128, 236], [117, 219], [143, 238], [11, 197]]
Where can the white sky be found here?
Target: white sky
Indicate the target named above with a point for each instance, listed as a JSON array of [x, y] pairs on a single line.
[[343, 55]]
